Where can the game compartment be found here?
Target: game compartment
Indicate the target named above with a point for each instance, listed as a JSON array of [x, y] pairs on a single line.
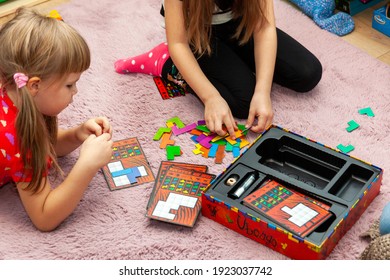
[[341, 185]]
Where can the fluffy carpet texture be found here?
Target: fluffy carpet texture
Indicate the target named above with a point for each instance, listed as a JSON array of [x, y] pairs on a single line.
[[112, 225]]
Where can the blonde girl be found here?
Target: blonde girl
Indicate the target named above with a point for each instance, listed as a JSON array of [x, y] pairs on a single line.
[[41, 60]]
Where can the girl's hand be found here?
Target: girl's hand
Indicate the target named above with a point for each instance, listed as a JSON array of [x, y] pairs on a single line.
[[260, 108], [96, 126], [96, 151], [49, 207], [217, 113]]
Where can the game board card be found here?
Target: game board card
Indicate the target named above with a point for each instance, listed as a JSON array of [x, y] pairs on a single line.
[[178, 199], [168, 89], [128, 166], [291, 210], [164, 166]]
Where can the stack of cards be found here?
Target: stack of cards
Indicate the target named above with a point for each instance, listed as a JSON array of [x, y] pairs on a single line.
[[176, 196], [128, 166]]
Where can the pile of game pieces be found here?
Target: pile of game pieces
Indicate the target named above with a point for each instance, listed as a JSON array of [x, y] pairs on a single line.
[[207, 144], [128, 166], [176, 195]]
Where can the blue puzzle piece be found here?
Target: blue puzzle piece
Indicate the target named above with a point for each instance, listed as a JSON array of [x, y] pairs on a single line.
[[131, 173], [193, 138], [236, 151], [122, 172], [213, 150]]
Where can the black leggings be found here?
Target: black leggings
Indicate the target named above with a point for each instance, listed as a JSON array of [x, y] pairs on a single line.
[[231, 67]]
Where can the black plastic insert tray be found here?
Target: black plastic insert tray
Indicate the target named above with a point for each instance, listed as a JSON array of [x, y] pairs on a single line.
[[306, 166]]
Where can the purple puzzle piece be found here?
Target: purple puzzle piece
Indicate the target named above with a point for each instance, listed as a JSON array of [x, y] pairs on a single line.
[[188, 128]]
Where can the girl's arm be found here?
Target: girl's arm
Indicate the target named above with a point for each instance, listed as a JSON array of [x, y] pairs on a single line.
[[217, 111], [49, 207], [265, 46], [70, 139]]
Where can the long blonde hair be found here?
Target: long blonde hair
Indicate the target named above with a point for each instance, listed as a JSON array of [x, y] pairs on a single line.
[[43, 47], [198, 16]]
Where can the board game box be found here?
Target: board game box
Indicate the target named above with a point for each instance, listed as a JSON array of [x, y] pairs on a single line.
[[340, 186]]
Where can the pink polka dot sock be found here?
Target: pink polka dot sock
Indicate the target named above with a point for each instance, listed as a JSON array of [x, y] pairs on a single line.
[[150, 62]]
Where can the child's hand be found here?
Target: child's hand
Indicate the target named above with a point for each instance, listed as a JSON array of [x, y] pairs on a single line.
[[96, 151], [260, 108], [96, 126], [217, 113]]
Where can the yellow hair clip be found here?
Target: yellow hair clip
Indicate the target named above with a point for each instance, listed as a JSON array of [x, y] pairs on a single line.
[[55, 14]]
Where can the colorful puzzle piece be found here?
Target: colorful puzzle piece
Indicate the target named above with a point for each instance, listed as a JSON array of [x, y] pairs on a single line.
[[166, 140], [345, 149], [205, 141], [367, 111], [188, 128], [220, 154], [205, 152], [176, 121], [160, 132], [195, 132], [173, 151], [197, 151], [203, 128], [236, 150], [131, 173], [243, 142], [213, 150], [352, 125]]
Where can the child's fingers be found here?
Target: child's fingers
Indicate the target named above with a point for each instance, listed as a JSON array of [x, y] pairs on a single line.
[[230, 126], [89, 138], [262, 124], [105, 124], [250, 120], [99, 126], [105, 136]]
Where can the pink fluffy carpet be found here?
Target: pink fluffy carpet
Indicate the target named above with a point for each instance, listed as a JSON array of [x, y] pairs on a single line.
[[112, 225]]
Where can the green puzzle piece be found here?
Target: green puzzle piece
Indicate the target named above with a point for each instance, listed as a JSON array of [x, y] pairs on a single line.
[[352, 126], [345, 149], [367, 111], [176, 121], [160, 132], [203, 128], [173, 151]]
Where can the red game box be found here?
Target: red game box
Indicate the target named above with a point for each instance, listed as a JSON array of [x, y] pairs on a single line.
[[342, 185]]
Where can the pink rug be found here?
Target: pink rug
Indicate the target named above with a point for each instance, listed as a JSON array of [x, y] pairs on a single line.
[[112, 225]]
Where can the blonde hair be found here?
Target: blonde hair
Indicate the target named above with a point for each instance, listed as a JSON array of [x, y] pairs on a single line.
[[43, 47], [198, 17]]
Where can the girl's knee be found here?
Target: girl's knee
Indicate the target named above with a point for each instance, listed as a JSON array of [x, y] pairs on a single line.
[[310, 76]]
